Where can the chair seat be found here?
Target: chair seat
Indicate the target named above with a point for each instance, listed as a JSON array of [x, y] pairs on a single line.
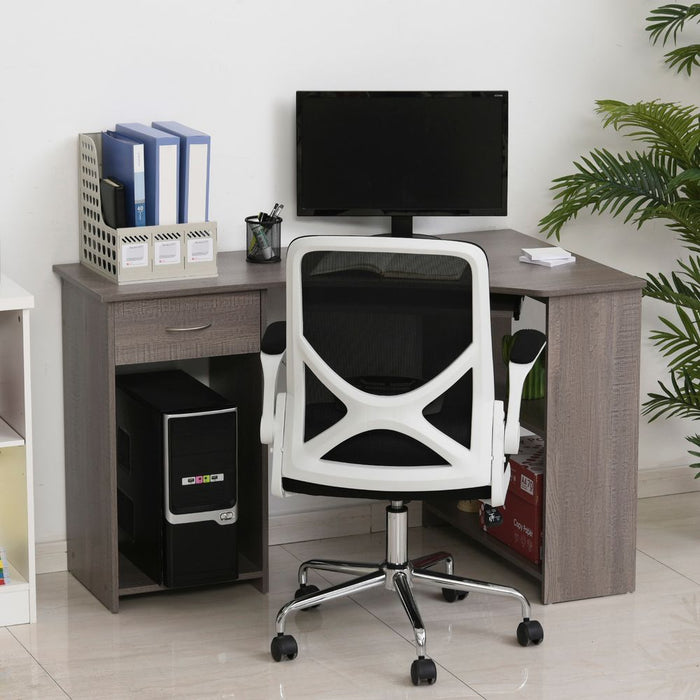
[[314, 489], [385, 447]]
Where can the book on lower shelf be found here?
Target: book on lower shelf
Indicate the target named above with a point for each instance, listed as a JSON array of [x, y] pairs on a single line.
[[3, 577]]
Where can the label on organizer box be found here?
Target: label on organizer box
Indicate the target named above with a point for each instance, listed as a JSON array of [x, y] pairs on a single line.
[[135, 254], [167, 252], [527, 484], [200, 250]]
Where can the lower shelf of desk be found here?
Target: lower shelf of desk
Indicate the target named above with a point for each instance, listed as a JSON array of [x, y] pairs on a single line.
[[445, 510], [133, 581]]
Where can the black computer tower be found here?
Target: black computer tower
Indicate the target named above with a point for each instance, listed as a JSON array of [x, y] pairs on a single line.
[[176, 478]]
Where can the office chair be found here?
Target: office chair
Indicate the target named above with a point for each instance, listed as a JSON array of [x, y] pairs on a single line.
[[390, 395]]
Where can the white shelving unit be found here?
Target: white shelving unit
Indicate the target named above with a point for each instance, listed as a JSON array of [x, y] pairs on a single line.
[[18, 595]]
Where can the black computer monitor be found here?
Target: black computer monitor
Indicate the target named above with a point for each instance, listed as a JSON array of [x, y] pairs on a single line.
[[402, 154]]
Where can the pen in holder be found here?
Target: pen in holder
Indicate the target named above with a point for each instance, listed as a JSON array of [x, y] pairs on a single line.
[[263, 238]]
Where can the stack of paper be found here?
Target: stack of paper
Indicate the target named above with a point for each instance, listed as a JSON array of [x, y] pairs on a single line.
[[551, 256]]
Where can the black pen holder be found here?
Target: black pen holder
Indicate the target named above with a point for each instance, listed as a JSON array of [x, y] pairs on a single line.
[[263, 239]]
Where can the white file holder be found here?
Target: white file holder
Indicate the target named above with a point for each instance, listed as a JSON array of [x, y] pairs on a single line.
[[141, 253]]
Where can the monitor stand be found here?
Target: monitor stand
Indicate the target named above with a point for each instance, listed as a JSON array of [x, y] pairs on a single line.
[[402, 227]]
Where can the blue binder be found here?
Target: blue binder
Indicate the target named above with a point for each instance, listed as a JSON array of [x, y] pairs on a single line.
[[195, 153], [123, 160], [161, 152]]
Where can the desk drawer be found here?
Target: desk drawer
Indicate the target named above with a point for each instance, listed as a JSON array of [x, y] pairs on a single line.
[[179, 328]]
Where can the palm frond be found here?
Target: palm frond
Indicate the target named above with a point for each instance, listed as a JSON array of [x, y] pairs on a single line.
[[634, 183], [665, 22], [682, 290], [694, 440], [683, 217], [681, 342], [687, 180], [682, 399], [684, 58], [667, 127]]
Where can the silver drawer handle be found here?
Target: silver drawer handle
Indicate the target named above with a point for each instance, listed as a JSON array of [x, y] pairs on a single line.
[[187, 330]]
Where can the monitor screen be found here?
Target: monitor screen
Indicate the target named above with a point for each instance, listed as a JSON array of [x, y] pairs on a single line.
[[402, 153]]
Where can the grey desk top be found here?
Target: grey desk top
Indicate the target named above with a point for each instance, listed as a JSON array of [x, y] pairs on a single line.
[[502, 247]]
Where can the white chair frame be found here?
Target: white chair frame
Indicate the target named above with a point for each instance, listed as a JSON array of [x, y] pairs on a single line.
[[482, 463]]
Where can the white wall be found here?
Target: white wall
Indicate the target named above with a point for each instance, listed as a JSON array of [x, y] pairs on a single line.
[[231, 68]]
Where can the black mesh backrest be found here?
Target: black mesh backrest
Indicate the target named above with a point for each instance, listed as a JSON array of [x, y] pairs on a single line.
[[387, 323]]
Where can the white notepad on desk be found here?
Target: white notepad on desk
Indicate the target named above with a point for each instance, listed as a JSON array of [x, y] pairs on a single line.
[[551, 256]]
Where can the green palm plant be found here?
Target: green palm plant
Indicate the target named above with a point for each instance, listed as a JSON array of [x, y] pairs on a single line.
[[664, 23], [660, 181]]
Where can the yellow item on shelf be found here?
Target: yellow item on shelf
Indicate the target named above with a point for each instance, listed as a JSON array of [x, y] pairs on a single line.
[[468, 506]]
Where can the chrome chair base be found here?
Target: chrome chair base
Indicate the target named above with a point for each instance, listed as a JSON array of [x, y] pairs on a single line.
[[399, 574]]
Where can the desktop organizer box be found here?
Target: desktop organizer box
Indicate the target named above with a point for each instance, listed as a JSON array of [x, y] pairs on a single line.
[[106, 250]]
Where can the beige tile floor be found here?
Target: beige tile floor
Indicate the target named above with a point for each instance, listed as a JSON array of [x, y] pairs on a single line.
[[214, 643]]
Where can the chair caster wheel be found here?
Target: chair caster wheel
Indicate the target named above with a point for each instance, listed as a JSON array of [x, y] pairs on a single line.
[[530, 632], [304, 590], [283, 646], [423, 670], [451, 595]]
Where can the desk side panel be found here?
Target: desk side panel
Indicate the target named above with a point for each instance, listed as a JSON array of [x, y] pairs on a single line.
[[88, 390], [592, 411], [239, 378]]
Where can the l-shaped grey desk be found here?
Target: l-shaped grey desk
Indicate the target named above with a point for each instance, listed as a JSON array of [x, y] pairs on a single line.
[[589, 418]]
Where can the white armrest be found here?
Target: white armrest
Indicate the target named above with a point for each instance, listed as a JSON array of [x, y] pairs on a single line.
[[272, 351], [529, 347], [270, 368], [500, 468], [276, 452]]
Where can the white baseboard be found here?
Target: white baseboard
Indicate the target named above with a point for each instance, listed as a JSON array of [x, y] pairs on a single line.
[[335, 522], [51, 556], [664, 481]]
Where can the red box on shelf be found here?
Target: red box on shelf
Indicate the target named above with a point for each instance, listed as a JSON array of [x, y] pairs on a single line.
[[521, 528]]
